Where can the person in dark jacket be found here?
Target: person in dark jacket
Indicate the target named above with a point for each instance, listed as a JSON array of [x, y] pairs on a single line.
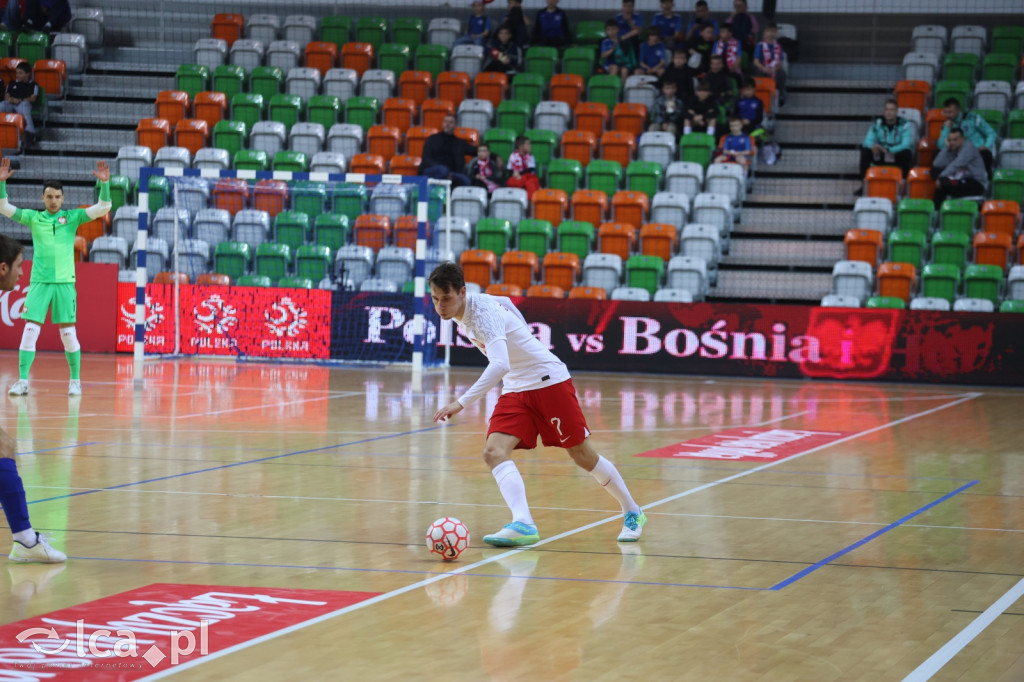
[[958, 169], [487, 169], [503, 55], [551, 28], [443, 152], [517, 23]]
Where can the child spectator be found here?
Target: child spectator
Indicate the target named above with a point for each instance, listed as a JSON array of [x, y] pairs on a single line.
[[503, 55], [669, 110], [631, 26], [744, 26], [729, 48], [722, 84], [749, 108], [770, 60], [486, 170], [679, 73], [701, 112], [616, 58], [736, 147], [551, 29], [701, 44], [479, 27], [21, 95], [669, 24], [701, 16], [517, 23], [523, 168], [653, 55]]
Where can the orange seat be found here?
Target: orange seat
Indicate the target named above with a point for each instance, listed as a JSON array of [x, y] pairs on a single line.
[[658, 239], [406, 230], [171, 278], [912, 94], [52, 76], [566, 87], [192, 134], [561, 270], [384, 141], [503, 290], [492, 86], [593, 293], [433, 111], [519, 268], [589, 205], [414, 139], [357, 56], [213, 279], [629, 117], [81, 248], [545, 291], [616, 238], [403, 164], [210, 107], [12, 131], [863, 245], [415, 85], [764, 90], [270, 196], [920, 184], [8, 68], [172, 106], [371, 164], [884, 182], [618, 145], [992, 248], [579, 145], [93, 228], [592, 117], [1020, 249], [550, 205], [228, 27], [1000, 216], [470, 135], [231, 194], [630, 207], [321, 56], [372, 230], [933, 122], [926, 151], [897, 280], [153, 133], [453, 86], [399, 113], [479, 266]]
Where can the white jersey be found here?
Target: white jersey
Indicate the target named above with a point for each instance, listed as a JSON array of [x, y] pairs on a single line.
[[525, 364]]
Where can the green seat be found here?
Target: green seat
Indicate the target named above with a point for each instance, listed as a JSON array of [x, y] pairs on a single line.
[[229, 79], [33, 46], [958, 88], [288, 160], [950, 248], [251, 159], [529, 88], [362, 111], [323, 109], [959, 66], [407, 31], [576, 236], [890, 302], [349, 200], [644, 176], [253, 281], [493, 234], [983, 281], [331, 230], [267, 81], [993, 117], [645, 272], [958, 215], [409, 287], [273, 260], [915, 214], [604, 89], [998, 67], [604, 176], [394, 57], [286, 109], [514, 115], [1015, 124], [432, 58], [232, 259], [291, 228], [295, 283], [1008, 185], [543, 144], [372, 30], [590, 32], [501, 141], [579, 61], [313, 261], [940, 281], [6, 44], [436, 200], [248, 107], [1007, 40], [542, 61], [565, 174], [120, 191], [1011, 307], [907, 246], [535, 235], [230, 135], [309, 197], [159, 193], [192, 78], [697, 147], [335, 29]]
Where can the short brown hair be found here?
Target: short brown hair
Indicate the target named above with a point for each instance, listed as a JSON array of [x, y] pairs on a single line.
[[9, 250], [447, 277]]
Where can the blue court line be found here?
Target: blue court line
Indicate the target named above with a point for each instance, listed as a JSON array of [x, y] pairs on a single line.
[[237, 464], [849, 548], [63, 447], [833, 473]]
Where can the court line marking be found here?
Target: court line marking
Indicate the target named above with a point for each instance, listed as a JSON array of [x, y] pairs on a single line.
[[945, 654], [63, 447], [261, 406], [554, 538]]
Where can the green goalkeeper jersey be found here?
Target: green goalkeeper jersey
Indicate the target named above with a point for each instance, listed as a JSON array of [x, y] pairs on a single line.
[[53, 243]]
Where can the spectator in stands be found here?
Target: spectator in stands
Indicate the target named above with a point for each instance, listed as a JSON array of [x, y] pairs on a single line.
[[669, 110], [750, 109], [890, 142], [701, 16], [653, 55], [616, 59], [736, 147], [701, 112], [503, 55], [976, 130], [679, 73], [744, 26], [486, 170], [517, 23], [770, 60], [631, 26], [443, 152], [669, 24], [523, 167], [699, 47], [21, 94], [960, 169], [551, 27], [722, 83], [729, 48], [37, 15], [478, 27]]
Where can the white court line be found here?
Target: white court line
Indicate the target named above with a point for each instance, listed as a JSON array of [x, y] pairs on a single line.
[[954, 646], [491, 559], [262, 406]]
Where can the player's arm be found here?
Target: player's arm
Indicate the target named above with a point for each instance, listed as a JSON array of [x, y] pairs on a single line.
[[7, 208], [498, 366], [101, 207]]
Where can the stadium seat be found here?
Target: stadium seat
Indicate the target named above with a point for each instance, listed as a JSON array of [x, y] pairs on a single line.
[[886, 302], [479, 267], [543, 146], [414, 139], [494, 235], [303, 82], [443, 31], [1000, 216], [384, 141], [1008, 185], [283, 54], [907, 246], [71, 49], [644, 176], [469, 203], [641, 90], [697, 148], [395, 57], [606, 90], [578, 61], [396, 264], [591, 293], [873, 213], [247, 54], [552, 116], [501, 142], [930, 38], [228, 27], [630, 207], [490, 86], [129, 158], [913, 94], [970, 39], [212, 225], [542, 61], [644, 272], [475, 113], [457, 230], [192, 134], [883, 182], [391, 199], [863, 245], [407, 31], [630, 117], [994, 95], [618, 146], [897, 280], [604, 176], [290, 161], [529, 88], [452, 86], [618, 239], [840, 301], [433, 58], [327, 162], [672, 208], [659, 147], [372, 230], [1011, 155], [322, 56], [1015, 124], [921, 66], [545, 291], [340, 83], [534, 235], [172, 106], [916, 214], [251, 159], [959, 215], [415, 86], [210, 107], [591, 117], [467, 59], [362, 111], [950, 247], [728, 179], [173, 157], [372, 30], [357, 56], [983, 281], [766, 91], [273, 260], [377, 83], [940, 281], [551, 205], [286, 109], [658, 239], [502, 289], [852, 278], [406, 231], [561, 270], [267, 81], [102, 250], [405, 165], [520, 268], [306, 138], [566, 87], [51, 75], [247, 108], [153, 133], [993, 248], [920, 184], [714, 209], [232, 259], [589, 206], [353, 263], [959, 66], [268, 136], [509, 203], [602, 270], [470, 135], [704, 242], [371, 164], [433, 112], [684, 177], [574, 236], [690, 274], [974, 305], [578, 145]]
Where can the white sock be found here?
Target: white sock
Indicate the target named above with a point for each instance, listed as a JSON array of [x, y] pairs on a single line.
[[26, 537], [711, 131], [512, 488], [687, 130], [609, 477]]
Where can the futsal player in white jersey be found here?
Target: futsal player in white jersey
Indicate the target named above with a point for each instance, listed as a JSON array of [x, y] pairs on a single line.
[[537, 399]]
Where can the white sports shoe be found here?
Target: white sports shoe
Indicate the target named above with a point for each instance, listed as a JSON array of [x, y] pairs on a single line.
[[39, 553], [75, 387], [632, 526], [20, 387]]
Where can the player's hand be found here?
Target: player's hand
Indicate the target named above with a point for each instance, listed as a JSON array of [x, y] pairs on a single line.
[[5, 169], [7, 446], [449, 410], [102, 171]]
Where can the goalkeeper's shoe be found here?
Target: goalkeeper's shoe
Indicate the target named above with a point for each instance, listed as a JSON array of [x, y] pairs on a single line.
[[20, 387]]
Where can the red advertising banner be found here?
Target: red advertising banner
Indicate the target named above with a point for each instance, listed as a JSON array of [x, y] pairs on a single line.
[[134, 634], [97, 303], [747, 445]]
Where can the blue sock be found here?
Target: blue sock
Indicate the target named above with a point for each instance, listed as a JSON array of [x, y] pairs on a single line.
[[12, 496]]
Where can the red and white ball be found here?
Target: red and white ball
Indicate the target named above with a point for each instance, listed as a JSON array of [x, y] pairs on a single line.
[[447, 538]]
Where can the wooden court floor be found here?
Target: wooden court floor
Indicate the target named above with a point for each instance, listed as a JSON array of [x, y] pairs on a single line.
[[896, 551]]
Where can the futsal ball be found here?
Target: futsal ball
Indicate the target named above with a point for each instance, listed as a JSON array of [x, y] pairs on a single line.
[[447, 538]]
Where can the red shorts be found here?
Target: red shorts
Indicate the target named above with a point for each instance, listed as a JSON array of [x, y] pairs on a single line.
[[552, 412]]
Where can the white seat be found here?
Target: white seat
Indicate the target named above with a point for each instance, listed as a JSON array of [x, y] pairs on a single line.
[[126, 223], [247, 53], [212, 158], [210, 52], [379, 83], [509, 203], [974, 305], [1011, 154], [852, 278], [173, 157], [1018, 96], [714, 209], [170, 220], [469, 203], [346, 139], [193, 257], [971, 39], [341, 83], [71, 49], [673, 296], [251, 226], [703, 242], [840, 301], [641, 89], [920, 66], [268, 136], [467, 58], [688, 273], [553, 116], [396, 264], [728, 179], [929, 303], [930, 38], [1015, 283], [461, 233], [327, 284], [659, 147], [212, 225], [307, 138], [89, 22], [130, 159], [602, 270], [353, 263], [157, 257], [787, 31], [873, 213], [328, 162], [284, 54], [390, 200], [630, 294], [109, 250], [302, 81], [263, 27], [476, 113], [300, 28], [686, 177], [993, 95], [443, 31], [672, 208], [379, 284], [193, 194], [913, 116]]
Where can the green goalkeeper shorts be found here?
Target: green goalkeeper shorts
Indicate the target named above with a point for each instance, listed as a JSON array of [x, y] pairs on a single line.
[[63, 298]]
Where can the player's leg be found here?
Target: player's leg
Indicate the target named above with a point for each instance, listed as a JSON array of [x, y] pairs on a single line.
[[65, 314], [28, 545], [498, 455], [606, 474], [37, 303]]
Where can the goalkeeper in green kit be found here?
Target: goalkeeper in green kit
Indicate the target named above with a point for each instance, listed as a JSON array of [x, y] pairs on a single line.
[[52, 284]]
